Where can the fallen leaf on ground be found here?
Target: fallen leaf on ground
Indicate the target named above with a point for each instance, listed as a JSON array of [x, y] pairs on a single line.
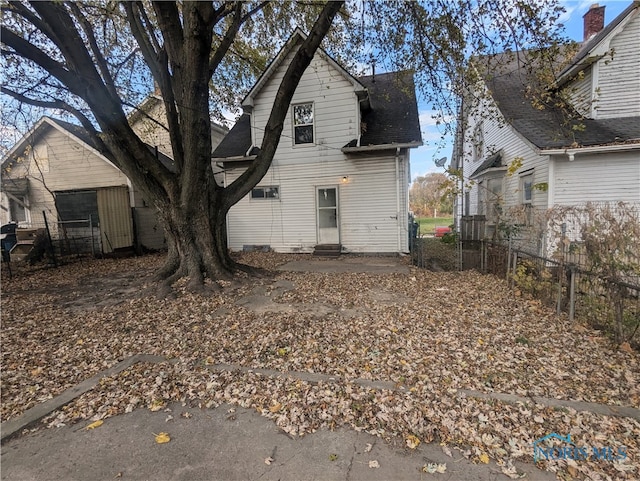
[[412, 441], [374, 464], [484, 458], [433, 468], [162, 438], [268, 461], [95, 424]]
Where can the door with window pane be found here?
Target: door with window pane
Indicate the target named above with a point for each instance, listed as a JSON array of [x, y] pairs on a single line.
[[327, 215]]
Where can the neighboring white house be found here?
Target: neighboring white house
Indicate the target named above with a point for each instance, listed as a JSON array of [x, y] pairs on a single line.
[[340, 175], [55, 172], [593, 159]]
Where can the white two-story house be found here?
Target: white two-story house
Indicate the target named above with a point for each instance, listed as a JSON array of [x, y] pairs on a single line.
[[340, 175], [594, 157]]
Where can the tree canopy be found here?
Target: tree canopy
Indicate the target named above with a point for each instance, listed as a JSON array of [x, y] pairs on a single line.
[[96, 61]]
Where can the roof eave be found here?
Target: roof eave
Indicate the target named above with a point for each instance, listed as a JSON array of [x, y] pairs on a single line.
[[370, 148], [490, 170], [571, 152], [601, 48], [237, 158]]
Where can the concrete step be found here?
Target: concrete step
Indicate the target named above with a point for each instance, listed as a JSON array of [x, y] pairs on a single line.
[[327, 250]]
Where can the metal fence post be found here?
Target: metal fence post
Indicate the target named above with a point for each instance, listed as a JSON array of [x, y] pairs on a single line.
[[51, 248], [508, 259], [572, 293], [561, 268], [514, 267]]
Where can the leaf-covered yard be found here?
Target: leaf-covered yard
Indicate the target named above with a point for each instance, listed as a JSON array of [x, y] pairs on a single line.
[[433, 334]]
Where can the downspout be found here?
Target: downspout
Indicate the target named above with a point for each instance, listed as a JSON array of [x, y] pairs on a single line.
[[398, 199]]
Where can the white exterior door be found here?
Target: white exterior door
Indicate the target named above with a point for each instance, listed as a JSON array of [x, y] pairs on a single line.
[[327, 215]]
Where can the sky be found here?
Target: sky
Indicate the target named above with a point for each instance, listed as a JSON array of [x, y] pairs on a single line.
[[422, 159]]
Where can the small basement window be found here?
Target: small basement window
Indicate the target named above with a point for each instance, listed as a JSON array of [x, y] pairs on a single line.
[[269, 192], [303, 123]]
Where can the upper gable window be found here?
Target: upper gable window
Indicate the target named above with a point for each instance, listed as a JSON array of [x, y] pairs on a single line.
[[303, 123]]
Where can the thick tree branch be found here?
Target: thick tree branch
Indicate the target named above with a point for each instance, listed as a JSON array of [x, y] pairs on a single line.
[[97, 53], [227, 40], [66, 37], [303, 57], [169, 23], [156, 58], [28, 51]]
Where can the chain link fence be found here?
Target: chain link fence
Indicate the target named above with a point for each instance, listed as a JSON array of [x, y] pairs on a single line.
[[583, 260]]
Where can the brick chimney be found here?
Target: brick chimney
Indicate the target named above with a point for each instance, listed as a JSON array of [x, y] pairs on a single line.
[[593, 21]]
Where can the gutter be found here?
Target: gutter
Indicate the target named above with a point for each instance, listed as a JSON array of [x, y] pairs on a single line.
[[237, 158], [370, 148], [572, 152]]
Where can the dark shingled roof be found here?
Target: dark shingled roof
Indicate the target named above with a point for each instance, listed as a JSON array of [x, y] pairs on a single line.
[[392, 118], [238, 141], [493, 161], [548, 128]]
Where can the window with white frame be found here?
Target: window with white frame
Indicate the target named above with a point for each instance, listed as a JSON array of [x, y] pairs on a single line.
[[268, 192], [303, 123], [494, 199], [526, 187]]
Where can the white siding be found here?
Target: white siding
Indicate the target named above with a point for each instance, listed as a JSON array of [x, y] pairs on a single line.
[[619, 76], [71, 167], [152, 127], [597, 178], [368, 202], [367, 206], [335, 111], [498, 136], [580, 91]]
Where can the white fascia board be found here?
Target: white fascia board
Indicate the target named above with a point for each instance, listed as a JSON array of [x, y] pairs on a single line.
[[572, 152]]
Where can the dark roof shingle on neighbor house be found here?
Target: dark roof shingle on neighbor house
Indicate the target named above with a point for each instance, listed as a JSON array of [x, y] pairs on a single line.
[[391, 119], [550, 127]]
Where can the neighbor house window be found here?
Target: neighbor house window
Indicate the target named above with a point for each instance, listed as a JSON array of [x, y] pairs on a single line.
[[17, 210], [303, 123], [478, 141], [271, 192], [526, 188]]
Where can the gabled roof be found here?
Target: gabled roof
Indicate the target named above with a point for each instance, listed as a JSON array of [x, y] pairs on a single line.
[[294, 41], [494, 161], [389, 120], [237, 142], [549, 128], [598, 46], [76, 133], [392, 119]]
